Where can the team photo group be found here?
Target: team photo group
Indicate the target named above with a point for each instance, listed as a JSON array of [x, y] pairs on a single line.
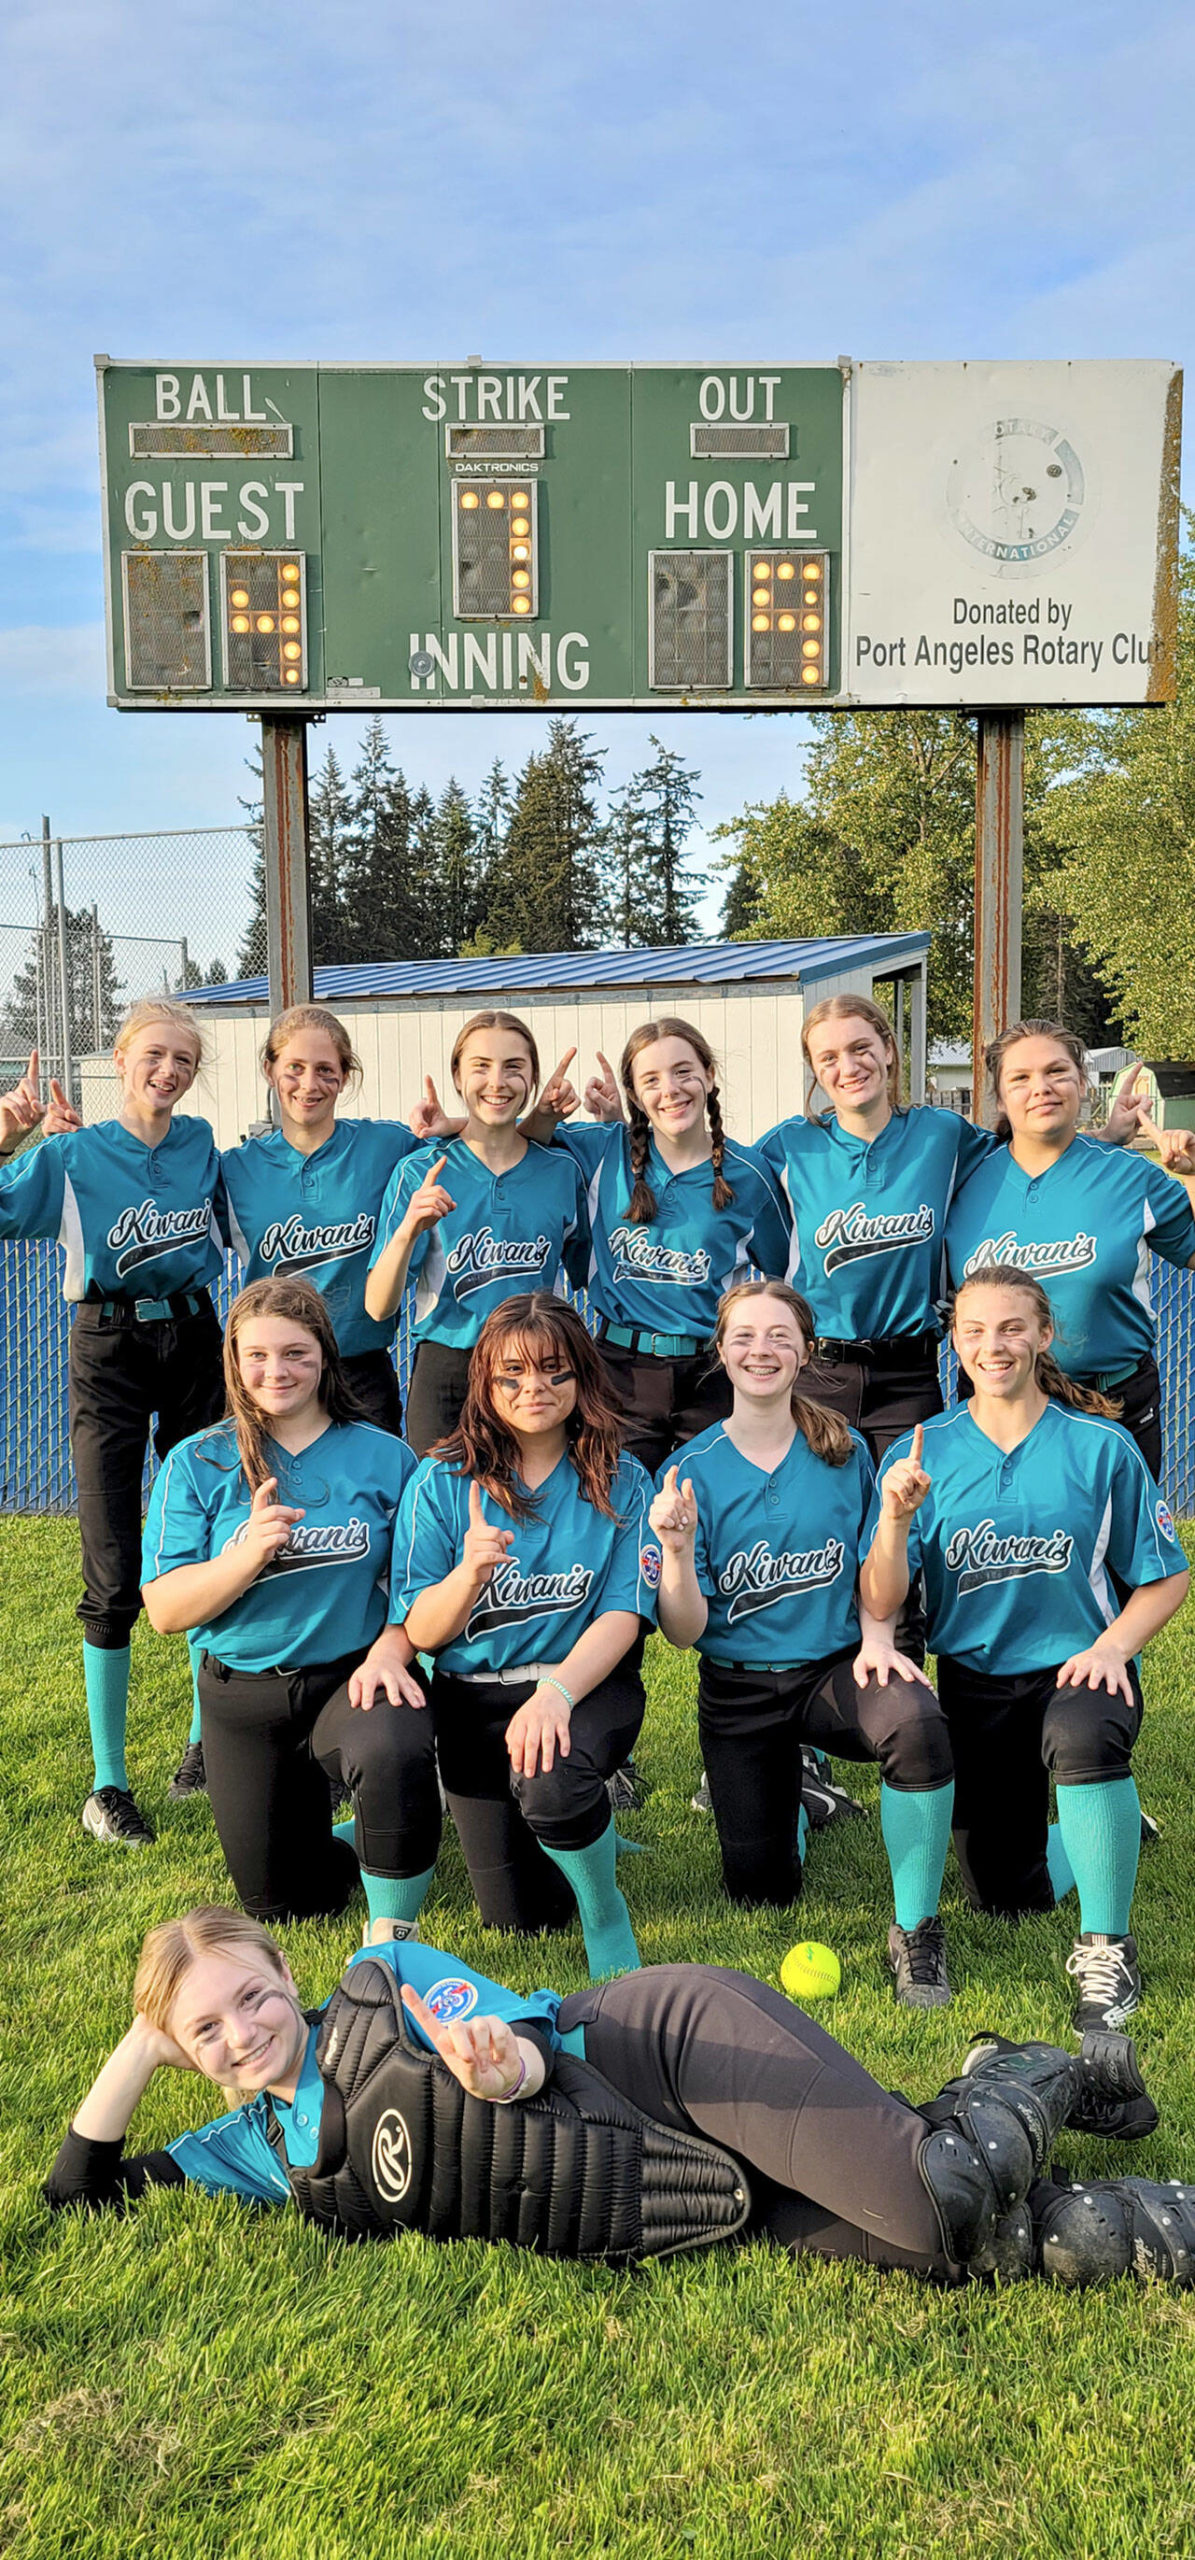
[[397, 1614]]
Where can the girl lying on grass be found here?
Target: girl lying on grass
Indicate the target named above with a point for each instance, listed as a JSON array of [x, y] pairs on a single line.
[[673, 2107]]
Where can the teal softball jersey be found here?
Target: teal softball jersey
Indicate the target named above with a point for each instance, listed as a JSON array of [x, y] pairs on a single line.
[[233, 2153], [668, 1277], [867, 1217], [523, 1229], [133, 1221], [568, 1565], [1016, 1547], [318, 1215], [776, 1555], [1085, 1228], [325, 1593]]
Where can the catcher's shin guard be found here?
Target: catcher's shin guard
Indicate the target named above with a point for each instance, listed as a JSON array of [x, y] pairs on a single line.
[[1102, 2228], [1111, 2100], [992, 2133]]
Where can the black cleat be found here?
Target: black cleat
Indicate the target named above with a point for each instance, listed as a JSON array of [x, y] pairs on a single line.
[[190, 1777], [824, 1801], [625, 1789], [1111, 2102], [1109, 1979], [112, 1815], [918, 1960]]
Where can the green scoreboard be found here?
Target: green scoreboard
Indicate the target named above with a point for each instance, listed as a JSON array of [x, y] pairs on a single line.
[[464, 537]]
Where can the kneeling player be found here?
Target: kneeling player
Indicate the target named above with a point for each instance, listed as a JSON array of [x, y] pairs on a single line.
[[761, 1544], [1023, 1507]]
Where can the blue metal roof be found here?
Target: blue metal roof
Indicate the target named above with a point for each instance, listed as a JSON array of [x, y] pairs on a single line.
[[691, 963]]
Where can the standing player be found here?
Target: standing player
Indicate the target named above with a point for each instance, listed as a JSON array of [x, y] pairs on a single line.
[[678, 1212], [268, 1539], [524, 1563], [1078, 1217], [306, 1197], [1019, 1507], [761, 1544], [133, 1202], [506, 1217]]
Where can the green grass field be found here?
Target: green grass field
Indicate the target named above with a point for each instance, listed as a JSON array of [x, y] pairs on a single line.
[[195, 2382]]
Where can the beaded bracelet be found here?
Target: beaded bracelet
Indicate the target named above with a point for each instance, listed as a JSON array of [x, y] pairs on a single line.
[[548, 1680]]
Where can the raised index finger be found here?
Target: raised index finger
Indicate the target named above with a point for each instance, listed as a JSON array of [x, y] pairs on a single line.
[[476, 1514], [918, 1445], [436, 1170], [424, 2016], [566, 1061], [266, 1493]]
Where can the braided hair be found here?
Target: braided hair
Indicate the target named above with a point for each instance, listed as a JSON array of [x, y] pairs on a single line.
[[642, 1206], [1051, 1378]]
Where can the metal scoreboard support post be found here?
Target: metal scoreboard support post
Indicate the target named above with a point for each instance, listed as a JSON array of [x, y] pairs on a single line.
[[285, 848], [288, 540], [999, 885]]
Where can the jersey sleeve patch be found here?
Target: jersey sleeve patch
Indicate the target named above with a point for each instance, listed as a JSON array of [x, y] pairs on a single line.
[[451, 1998], [650, 1566]]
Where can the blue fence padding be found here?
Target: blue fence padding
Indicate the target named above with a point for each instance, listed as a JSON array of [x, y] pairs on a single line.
[[33, 1398]]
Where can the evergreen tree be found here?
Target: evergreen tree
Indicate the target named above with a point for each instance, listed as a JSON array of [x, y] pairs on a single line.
[[548, 894], [330, 853], [653, 897], [458, 899], [95, 996], [252, 959]]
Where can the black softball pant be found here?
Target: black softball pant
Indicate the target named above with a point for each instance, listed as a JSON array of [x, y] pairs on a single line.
[[883, 1394], [374, 1381], [832, 2157], [436, 1393], [663, 1402], [752, 1724], [501, 1819], [122, 1373], [1009, 1737], [272, 1741]]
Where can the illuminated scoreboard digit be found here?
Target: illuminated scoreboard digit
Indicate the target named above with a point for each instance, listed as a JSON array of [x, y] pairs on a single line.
[[786, 618], [265, 649], [494, 550]]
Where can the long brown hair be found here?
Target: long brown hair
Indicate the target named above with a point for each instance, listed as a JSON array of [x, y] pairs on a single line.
[[310, 1017], [843, 1009], [169, 1951], [297, 1303], [826, 1432], [1037, 1029], [494, 1022], [642, 1206], [1052, 1379], [481, 1445]]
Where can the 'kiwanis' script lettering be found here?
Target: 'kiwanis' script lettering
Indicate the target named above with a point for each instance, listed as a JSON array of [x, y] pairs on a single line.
[[637, 1258], [291, 1246], [1065, 1253], [313, 1542], [511, 1596], [759, 1579], [978, 1556], [147, 1233], [479, 1258], [852, 1236]]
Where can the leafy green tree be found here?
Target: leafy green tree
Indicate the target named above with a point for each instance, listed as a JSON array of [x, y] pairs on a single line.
[[1124, 819], [548, 893]]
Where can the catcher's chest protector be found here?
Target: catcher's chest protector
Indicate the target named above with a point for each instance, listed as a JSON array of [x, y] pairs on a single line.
[[576, 2172]]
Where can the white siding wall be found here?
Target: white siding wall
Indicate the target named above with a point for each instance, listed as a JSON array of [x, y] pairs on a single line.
[[753, 1029]]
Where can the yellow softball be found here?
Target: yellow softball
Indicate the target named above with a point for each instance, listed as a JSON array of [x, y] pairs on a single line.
[[810, 1972]]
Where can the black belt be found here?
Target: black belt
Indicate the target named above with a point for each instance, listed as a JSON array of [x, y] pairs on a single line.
[[909, 1346], [150, 1310]]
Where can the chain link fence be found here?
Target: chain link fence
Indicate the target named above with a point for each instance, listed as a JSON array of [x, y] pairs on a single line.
[[90, 923], [34, 1451]]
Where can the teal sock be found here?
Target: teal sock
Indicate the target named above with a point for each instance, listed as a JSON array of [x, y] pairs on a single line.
[[1062, 1874], [106, 1680], [392, 1897], [916, 1831], [605, 1920], [348, 1831], [1101, 1833], [802, 1833], [195, 1734]]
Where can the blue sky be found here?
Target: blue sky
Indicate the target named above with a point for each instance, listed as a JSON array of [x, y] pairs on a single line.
[[642, 181]]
